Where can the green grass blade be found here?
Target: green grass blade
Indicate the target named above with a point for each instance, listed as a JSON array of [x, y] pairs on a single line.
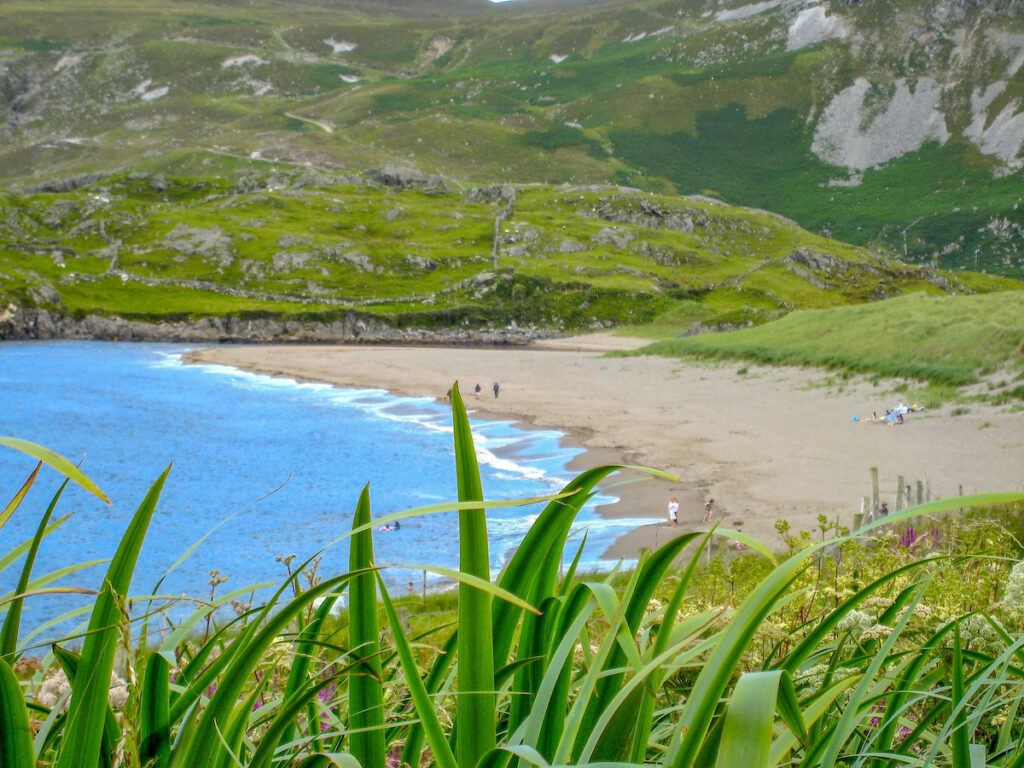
[[711, 683], [330, 760], [84, 727], [304, 648], [614, 611], [810, 715], [12, 556], [527, 569], [616, 744], [749, 721], [56, 461], [365, 689], [284, 722], [26, 644], [852, 713], [71, 664], [16, 750], [12, 623], [822, 628], [421, 700], [155, 714], [237, 725], [642, 733], [413, 747], [580, 607], [475, 713], [182, 629], [19, 497], [205, 746]]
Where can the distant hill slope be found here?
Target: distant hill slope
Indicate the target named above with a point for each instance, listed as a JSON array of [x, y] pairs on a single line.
[[892, 125], [411, 251]]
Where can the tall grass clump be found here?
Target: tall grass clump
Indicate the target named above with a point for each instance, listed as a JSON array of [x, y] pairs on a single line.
[[543, 665], [940, 339]]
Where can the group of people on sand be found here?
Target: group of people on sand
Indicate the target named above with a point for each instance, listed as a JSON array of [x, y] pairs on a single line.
[[893, 416], [477, 390], [673, 511]]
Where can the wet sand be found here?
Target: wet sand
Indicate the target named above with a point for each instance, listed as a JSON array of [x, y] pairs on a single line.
[[765, 443]]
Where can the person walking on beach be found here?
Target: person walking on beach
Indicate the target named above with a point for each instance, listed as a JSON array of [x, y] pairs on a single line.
[[477, 390], [496, 388], [708, 511], [673, 511]]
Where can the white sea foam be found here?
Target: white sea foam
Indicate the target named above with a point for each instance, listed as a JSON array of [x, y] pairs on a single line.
[[418, 411], [494, 440]]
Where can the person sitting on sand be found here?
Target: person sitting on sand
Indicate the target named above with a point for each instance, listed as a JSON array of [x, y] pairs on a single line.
[[707, 511]]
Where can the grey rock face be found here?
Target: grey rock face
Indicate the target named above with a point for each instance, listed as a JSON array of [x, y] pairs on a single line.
[[195, 241], [69, 184], [21, 323], [620, 238]]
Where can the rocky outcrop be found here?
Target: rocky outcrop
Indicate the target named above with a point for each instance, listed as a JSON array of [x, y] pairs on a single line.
[[27, 323]]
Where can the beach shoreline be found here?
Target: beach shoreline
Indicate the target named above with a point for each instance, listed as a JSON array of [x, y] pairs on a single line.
[[766, 443]]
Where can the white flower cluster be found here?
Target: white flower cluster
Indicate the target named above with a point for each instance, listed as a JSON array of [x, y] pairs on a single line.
[[1014, 595], [56, 685], [814, 677], [856, 622], [979, 635]]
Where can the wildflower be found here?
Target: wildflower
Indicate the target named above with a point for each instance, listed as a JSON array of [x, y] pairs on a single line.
[[53, 688], [855, 621], [1014, 594], [876, 632], [26, 665]]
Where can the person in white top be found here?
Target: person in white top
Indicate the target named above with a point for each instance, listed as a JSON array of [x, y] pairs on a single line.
[[673, 510]]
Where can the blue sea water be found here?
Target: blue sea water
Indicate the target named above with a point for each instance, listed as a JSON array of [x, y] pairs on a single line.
[[282, 462]]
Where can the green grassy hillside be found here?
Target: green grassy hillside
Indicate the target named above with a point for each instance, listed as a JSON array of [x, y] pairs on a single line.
[[418, 252], [894, 126], [940, 339]]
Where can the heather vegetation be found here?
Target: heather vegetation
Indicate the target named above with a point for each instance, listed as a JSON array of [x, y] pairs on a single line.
[[899, 642]]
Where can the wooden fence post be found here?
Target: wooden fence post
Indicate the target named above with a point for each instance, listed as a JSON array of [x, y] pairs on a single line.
[[874, 491], [899, 492]]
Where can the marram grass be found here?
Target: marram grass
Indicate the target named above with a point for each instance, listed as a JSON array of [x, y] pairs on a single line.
[[939, 339], [809, 665]]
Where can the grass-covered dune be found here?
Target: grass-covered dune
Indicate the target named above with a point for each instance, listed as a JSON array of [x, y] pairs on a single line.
[[940, 339], [418, 251]]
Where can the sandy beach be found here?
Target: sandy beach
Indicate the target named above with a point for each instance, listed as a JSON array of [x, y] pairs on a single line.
[[765, 443]]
